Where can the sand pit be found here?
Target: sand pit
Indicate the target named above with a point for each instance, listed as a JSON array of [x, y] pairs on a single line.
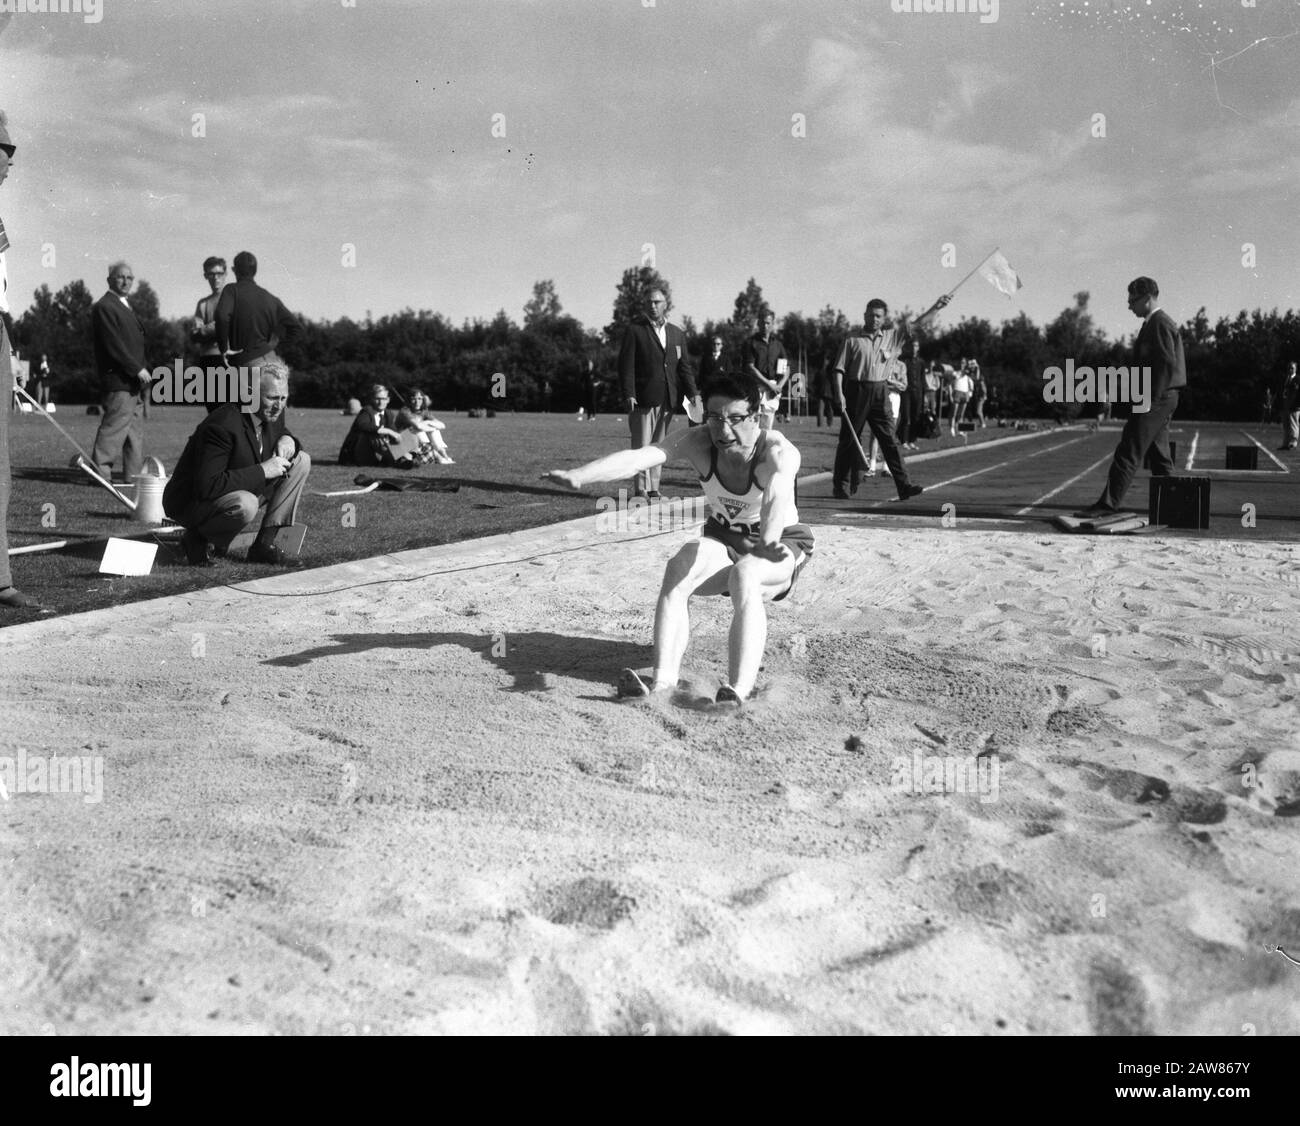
[[415, 807]]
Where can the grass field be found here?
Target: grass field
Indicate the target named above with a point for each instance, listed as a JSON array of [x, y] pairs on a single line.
[[498, 465]]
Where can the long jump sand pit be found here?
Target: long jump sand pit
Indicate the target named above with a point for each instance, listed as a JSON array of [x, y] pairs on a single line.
[[416, 807]]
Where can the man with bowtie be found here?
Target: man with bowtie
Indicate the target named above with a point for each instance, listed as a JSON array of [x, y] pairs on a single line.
[[235, 464], [650, 361]]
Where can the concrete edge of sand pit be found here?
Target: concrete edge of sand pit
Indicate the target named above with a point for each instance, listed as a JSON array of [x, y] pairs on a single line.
[[320, 582]]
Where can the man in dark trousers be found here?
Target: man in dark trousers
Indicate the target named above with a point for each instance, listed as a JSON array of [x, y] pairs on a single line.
[[10, 598], [235, 463], [251, 322], [1290, 403], [123, 377], [650, 360], [861, 374], [1159, 347]]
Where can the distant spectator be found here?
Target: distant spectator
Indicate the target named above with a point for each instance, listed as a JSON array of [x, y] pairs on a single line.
[[1266, 406], [933, 381], [40, 382], [712, 362], [766, 362], [419, 418], [592, 390], [821, 391], [124, 377], [373, 432], [962, 386], [203, 328], [251, 322], [978, 395], [1290, 403]]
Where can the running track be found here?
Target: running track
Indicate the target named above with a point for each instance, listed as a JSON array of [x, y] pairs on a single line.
[[1021, 483]]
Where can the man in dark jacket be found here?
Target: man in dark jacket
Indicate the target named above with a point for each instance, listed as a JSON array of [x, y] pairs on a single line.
[[250, 321], [235, 464], [123, 377], [650, 360], [1160, 348]]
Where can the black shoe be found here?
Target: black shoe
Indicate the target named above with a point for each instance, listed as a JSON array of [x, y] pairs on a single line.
[[838, 493], [653, 495], [1094, 511], [269, 553], [909, 491], [727, 695], [198, 551]]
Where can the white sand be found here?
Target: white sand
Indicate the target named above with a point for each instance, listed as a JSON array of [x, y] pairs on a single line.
[[348, 813]]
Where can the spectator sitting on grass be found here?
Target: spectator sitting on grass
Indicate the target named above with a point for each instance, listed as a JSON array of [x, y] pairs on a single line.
[[419, 418], [373, 432]]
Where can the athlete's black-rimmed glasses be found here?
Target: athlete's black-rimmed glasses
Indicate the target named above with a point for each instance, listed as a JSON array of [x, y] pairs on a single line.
[[732, 420]]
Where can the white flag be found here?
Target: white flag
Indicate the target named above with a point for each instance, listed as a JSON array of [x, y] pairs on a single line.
[[997, 271]]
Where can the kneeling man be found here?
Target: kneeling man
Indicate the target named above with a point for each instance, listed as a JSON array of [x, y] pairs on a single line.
[[235, 463], [752, 547]]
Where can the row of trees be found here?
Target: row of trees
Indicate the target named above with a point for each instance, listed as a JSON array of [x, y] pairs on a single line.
[[1228, 363]]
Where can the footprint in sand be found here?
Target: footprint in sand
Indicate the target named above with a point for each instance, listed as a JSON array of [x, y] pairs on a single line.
[[1117, 1002], [588, 903]]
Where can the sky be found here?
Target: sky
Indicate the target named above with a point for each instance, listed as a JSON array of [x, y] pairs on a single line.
[[446, 154]]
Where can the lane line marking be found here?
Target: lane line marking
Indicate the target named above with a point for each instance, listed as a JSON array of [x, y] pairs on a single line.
[[1060, 489], [1191, 454], [978, 472], [1267, 452]]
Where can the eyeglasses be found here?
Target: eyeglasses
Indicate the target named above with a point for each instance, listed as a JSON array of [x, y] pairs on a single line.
[[732, 420], [124, 277]]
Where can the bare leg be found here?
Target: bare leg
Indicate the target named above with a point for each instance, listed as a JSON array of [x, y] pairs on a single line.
[[752, 582], [700, 567]]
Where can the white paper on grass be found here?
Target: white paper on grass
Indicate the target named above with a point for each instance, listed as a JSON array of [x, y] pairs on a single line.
[[128, 557]]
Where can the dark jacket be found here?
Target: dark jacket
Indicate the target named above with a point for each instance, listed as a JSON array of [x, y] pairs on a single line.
[[252, 321], [1160, 347], [119, 344], [649, 373], [358, 444], [221, 458]]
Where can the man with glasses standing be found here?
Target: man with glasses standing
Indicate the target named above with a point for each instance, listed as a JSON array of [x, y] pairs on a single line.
[[203, 330], [751, 549], [650, 360], [124, 378], [861, 375]]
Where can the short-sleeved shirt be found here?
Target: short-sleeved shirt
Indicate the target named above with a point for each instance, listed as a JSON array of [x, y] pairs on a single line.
[[763, 354], [868, 359]]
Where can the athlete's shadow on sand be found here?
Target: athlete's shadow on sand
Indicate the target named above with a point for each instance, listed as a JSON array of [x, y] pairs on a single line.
[[527, 656]]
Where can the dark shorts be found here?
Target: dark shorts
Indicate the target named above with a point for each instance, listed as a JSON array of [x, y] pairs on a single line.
[[741, 539]]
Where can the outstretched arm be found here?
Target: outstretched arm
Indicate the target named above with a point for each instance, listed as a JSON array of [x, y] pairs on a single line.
[[625, 463], [922, 320]]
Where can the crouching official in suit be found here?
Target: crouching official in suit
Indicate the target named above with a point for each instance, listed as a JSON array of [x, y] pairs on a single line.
[[235, 465]]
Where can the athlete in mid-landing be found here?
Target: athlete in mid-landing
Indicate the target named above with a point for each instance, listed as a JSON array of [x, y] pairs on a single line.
[[752, 547]]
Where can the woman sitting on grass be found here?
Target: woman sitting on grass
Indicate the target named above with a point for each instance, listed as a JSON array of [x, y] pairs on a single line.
[[419, 418]]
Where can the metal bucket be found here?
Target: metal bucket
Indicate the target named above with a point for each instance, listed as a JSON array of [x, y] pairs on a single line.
[[149, 493]]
